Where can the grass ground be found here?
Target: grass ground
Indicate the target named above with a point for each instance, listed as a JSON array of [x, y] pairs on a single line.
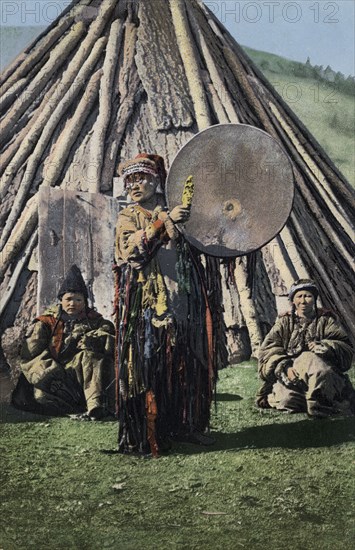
[[272, 480]]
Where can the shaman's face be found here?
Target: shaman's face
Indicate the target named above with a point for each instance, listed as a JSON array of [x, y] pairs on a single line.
[[304, 302], [73, 303], [141, 187]]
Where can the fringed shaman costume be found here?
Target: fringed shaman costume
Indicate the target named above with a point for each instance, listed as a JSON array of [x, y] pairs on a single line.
[[167, 349]]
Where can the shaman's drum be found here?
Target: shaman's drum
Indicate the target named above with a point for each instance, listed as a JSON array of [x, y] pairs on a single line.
[[243, 189]]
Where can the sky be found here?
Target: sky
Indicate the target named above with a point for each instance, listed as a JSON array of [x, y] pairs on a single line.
[[319, 29], [322, 30]]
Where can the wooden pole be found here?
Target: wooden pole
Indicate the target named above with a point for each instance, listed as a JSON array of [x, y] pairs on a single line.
[[28, 59], [221, 92], [97, 145], [188, 56], [47, 133], [14, 277], [22, 231], [57, 57], [71, 131]]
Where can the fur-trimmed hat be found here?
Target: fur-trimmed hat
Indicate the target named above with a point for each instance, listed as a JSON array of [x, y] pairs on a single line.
[[145, 163], [73, 282], [303, 284]]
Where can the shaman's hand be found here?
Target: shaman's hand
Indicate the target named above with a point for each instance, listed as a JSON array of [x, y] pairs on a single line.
[[180, 214]]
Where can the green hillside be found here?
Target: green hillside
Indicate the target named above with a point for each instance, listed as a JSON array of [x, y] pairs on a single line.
[[326, 108]]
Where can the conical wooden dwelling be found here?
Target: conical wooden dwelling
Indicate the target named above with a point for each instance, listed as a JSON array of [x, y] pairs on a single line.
[[110, 78]]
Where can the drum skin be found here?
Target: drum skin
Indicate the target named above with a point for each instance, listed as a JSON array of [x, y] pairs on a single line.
[[243, 189]]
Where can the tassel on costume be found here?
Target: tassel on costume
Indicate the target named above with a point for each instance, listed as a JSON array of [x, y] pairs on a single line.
[[152, 413]]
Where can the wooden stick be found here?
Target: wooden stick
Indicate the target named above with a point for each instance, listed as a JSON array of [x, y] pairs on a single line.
[[156, 46], [187, 52], [40, 47], [280, 276], [47, 133], [123, 116], [241, 77], [323, 277], [71, 132], [311, 199], [7, 202], [225, 101], [333, 182], [248, 307], [341, 187], [324, 245], [58, 56], [315, 174], [212, 21], [97, 146], [9, 97], [20, 264], [24, 139], [71, 80], [318, 208], [291, 253], [27, 59], [215, 102], [262, 293], [29, 216], [24, 228], [128, 83], [18, 150], [128, 66]]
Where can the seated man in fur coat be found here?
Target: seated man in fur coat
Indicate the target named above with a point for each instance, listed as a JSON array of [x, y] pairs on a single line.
[[67, 359], [303, 359]]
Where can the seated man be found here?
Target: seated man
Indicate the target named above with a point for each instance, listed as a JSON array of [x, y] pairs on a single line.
[[303, 359], [67, 359]]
